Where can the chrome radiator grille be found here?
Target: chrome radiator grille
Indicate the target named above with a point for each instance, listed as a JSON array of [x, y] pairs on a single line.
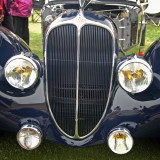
[[62, 69], [94, 76]]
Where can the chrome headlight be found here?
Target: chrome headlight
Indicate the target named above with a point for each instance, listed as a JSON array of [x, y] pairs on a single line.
[[135, 75], [21, 72], [29, 137], [120, 141]]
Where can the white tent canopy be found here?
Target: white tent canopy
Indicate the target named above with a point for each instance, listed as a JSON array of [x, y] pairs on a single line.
[[153, 10], [153, 7]]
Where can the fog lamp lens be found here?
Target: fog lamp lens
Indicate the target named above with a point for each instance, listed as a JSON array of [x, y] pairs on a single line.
[[29, 137], [120, 141]]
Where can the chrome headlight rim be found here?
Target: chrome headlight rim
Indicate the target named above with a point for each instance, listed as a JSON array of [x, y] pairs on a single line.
[[23, 57], [33, 128], [135, 60]]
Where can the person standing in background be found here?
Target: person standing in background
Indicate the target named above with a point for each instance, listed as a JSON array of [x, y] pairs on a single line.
[[1, 11], [8, 21], [21, 10]]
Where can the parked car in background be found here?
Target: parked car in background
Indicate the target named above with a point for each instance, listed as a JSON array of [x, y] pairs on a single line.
[[86, 91]]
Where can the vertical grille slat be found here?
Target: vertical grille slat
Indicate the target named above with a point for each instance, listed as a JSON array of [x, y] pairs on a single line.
[[95, 68], [61, 72], [94, 76]]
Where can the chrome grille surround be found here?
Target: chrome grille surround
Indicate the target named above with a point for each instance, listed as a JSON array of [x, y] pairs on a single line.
[[79, 21]]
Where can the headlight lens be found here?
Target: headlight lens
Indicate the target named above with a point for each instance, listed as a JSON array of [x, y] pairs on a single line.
[[21, 72], [29, 137], [135, 75], [120, 141]]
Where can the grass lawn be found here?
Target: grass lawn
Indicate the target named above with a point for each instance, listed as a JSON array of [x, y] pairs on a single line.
[[36, 39], [152, 33], [144, 149]]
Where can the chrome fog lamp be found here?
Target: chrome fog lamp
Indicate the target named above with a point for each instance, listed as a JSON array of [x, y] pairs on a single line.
[[120, 141], [29, 137], [135, 75], [21, 72]]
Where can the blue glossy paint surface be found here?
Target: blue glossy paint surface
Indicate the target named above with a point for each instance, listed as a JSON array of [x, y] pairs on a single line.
[[139, 113]]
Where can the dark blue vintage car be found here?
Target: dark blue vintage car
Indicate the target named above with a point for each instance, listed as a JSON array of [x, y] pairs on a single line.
[[86, 91]]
